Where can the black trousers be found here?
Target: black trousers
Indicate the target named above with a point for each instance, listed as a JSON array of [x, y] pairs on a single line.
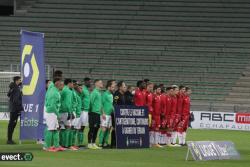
[[12, 124], [94, 125], [113, 135]]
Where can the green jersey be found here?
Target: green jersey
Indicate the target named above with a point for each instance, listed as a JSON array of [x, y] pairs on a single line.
[[51, 85], [66, 100], [52, 100], [79, 105], [96, 101], [85, 97], [107, 102], [74, 101]]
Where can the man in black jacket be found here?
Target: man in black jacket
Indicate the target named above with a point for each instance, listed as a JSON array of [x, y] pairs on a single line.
[[121, 97], [15, 106]]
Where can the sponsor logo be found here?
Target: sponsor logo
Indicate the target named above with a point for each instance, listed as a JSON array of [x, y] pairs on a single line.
[[242, 118], [217, 116], [29, 89], [212, 150], [221, 120], [16, 156]]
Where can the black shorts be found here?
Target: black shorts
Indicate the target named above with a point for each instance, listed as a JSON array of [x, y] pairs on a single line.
[[94, 120]]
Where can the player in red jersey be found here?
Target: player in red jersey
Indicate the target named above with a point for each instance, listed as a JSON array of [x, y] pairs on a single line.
[[163, 104], [180, 98], [163, 134], [183, 126], [156, 116], [139, 97], [149, 103], [149, 99], [144, 93], [168, 107], [173, 113]]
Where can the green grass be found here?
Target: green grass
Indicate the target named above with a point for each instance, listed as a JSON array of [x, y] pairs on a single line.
[[125, 158]]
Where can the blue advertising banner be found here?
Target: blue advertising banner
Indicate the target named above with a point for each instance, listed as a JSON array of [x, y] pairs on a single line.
[[212, 150], [33, 76], [132, 128]]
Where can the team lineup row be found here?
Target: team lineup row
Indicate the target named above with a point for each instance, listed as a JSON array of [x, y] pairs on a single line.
[[71, 106]]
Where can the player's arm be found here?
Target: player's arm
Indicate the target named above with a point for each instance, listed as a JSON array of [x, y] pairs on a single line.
[[68, 100], [16, 99], [74, 101], [103, 104], [179, 105], [150, 105], [92, 99], [101, 107], [135, 97], [163, 106], [83, 93], [54, 103]]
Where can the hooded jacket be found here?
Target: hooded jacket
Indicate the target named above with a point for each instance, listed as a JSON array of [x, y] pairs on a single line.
[[15, 98]]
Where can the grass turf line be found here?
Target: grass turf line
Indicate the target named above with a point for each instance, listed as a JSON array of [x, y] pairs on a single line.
[[152, 157]]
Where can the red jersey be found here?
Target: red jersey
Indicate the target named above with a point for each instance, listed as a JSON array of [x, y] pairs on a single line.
[[149, 101], [144, 92], [139, 98], [180, 98], [185, 114], [168, 105], [163, 104], [157, 105], [186, 105], [173, 106]]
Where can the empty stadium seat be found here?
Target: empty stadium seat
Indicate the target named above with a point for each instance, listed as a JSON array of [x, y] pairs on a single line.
[[203, 44]]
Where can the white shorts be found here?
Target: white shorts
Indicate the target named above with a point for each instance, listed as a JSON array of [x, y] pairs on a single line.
[[51, 121], [63, 120], [106, 122], [84, 118], [44, 115], [76, 123]]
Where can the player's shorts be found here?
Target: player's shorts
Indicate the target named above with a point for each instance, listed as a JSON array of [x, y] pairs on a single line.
[[51, 121], [94, 120], [107, 122], [63, 120], [76, 123], [44, 115], [84, 118]]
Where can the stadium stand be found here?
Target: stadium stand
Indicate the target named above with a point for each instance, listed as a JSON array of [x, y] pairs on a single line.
[[200, 43]]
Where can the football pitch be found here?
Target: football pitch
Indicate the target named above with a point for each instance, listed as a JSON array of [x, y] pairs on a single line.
[[152, 157]]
